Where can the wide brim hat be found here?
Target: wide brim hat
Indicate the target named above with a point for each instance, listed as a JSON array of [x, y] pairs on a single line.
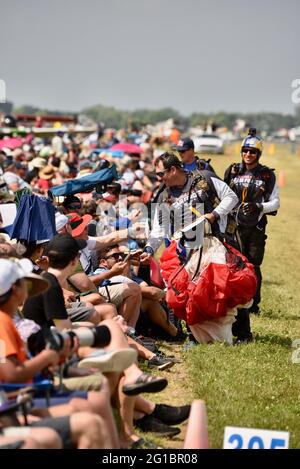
[[48, 172], [12, 270], [78, 223], [36, 284]]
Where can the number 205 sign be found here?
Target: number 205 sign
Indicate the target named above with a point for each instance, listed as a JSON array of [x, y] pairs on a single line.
[[251, 438]]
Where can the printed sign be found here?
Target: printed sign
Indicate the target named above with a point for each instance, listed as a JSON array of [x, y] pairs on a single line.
[[252, 438]]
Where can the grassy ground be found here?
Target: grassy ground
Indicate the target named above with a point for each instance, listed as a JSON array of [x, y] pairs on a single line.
[[254, 385]]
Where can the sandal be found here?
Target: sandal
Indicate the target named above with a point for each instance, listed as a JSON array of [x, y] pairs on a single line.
[[145, 383]]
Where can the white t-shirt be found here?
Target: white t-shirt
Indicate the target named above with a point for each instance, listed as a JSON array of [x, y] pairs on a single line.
[[85, 256], [12, 178]]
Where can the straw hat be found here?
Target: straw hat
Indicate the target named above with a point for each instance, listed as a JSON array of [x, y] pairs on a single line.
[[48, 172]]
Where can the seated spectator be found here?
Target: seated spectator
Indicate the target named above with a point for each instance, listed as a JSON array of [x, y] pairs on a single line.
[[16, 276], [41, 309], [120, 286], [119, 290]]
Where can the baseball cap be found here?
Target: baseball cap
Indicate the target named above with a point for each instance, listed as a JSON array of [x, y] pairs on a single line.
[[78, 223], [86, 164], [20, 165], [7, 163], [71, 200], [184, 145], [60, 221], [64, 246], [12, 270]]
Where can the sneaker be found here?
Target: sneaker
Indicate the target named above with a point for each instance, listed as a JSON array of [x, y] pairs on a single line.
[[109, 360], [161, 363], [150, 424], [171, 415]]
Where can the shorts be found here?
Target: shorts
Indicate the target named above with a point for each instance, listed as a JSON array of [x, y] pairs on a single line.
[[84, 383], [61, 425], [113, 293], [78, 311]]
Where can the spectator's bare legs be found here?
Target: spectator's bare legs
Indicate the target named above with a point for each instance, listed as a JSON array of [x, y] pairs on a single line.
[[97, 402], [90, 431], [37, 438], [142, 351], [158, 315], [130, 307], [119, 341], [143, 406], [100, 403], [126, 409], [101, 312], [47, 437], [28, 442]]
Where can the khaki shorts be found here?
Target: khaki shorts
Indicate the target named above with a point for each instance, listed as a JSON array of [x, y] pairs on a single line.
[[114, 294], [84, 383]]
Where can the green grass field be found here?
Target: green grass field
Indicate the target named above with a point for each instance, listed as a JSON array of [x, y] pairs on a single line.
[[257, 385], [254, 385]]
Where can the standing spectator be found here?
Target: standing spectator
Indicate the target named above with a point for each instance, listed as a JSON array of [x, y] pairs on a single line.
[[190, 161]]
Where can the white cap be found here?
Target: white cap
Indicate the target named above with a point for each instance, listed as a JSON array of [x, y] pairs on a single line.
[[60, 221], [11, 271]]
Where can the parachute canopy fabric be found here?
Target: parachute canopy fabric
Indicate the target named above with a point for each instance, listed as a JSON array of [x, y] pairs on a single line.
[[35, 219], [86, 183], [225, 280]]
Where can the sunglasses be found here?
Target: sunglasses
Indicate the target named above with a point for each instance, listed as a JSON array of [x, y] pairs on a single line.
[[116, 255], [160, 174], [252, 152]]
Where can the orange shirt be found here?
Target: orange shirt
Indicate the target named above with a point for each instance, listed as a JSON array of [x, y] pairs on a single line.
[[13, 344]]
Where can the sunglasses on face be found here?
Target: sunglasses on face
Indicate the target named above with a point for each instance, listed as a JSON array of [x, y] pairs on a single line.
[[116, 255], [252, 152], [160, 174]]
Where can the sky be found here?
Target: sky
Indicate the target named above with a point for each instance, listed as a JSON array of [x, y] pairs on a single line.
[[191, 55]]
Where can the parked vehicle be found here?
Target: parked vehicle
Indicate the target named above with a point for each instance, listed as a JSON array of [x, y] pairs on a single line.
[[209, 143]]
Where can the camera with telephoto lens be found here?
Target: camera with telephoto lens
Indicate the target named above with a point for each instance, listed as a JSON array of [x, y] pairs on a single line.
[[98, 336]]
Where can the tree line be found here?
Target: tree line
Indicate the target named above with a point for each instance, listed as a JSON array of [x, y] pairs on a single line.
[[116, 118]]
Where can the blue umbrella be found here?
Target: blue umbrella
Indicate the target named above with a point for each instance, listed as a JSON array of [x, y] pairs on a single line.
[[85, 183], [35, 219]]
